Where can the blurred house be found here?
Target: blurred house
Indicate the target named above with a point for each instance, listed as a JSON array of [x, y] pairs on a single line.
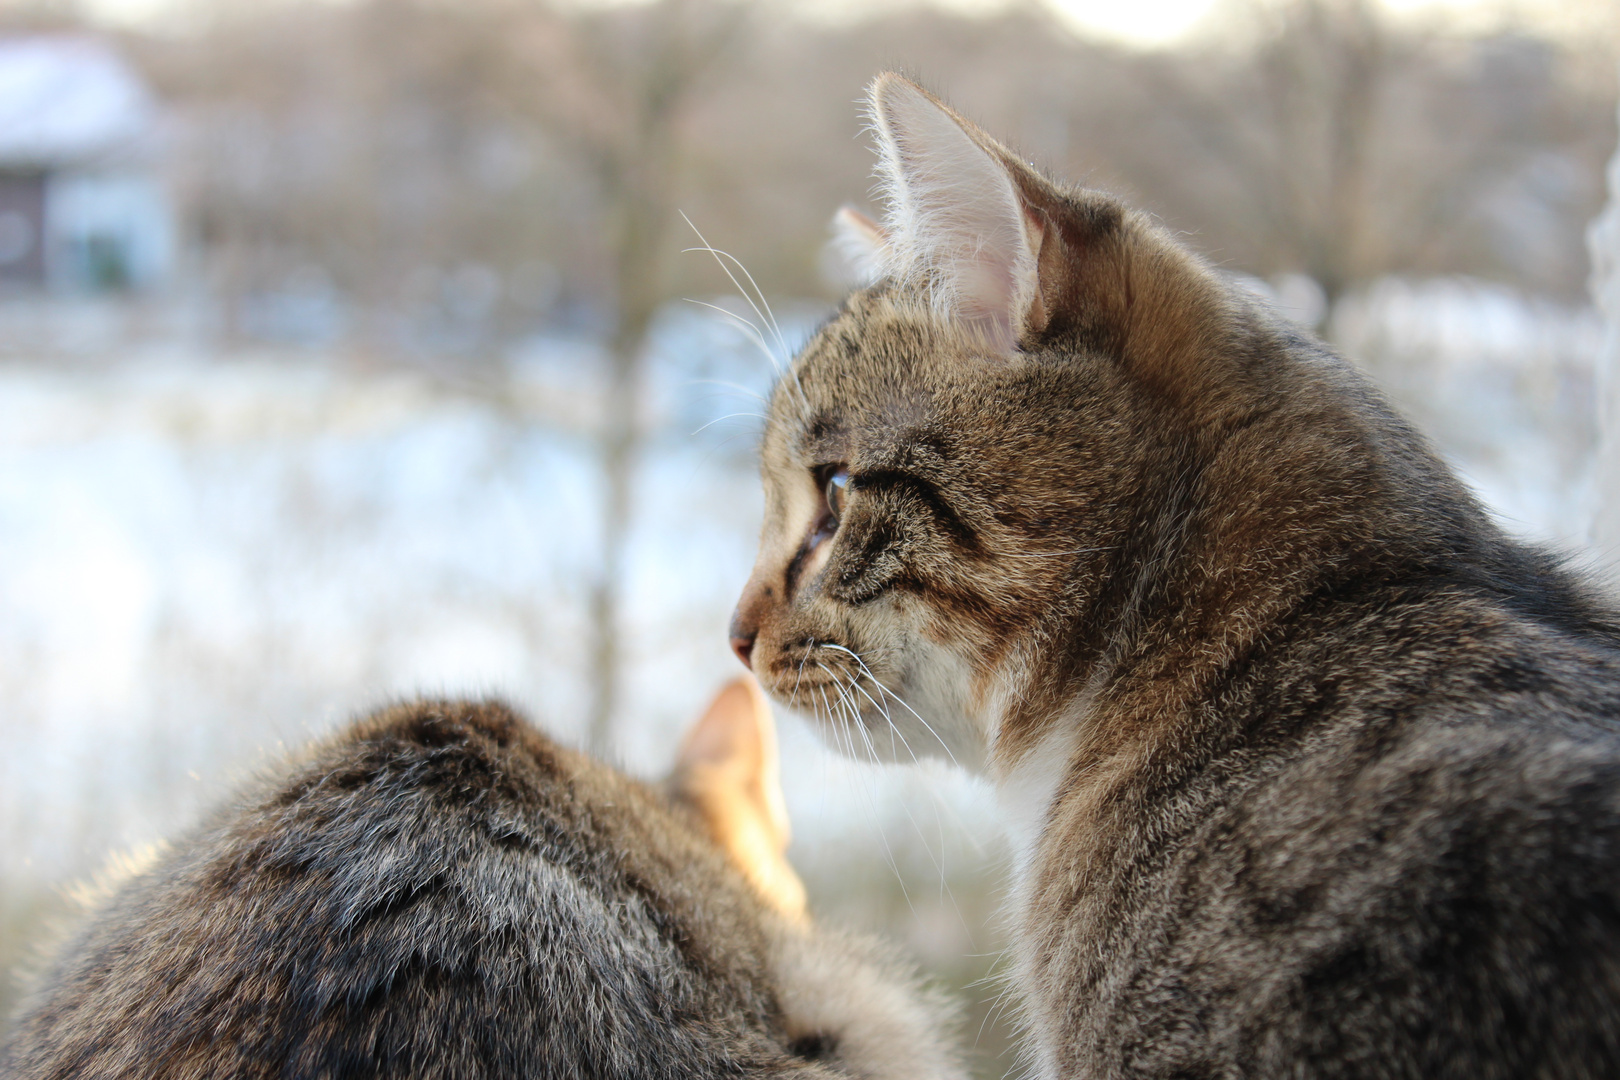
[[82, 205]]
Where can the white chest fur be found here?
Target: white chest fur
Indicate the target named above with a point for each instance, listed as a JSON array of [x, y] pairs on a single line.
[[1025, 794]]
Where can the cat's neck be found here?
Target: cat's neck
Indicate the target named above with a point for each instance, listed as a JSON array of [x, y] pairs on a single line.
[[1251, 521], [1027, 787]]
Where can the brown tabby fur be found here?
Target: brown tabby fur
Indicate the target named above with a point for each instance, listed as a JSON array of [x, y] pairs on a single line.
[[1313, 771], [441, 891]]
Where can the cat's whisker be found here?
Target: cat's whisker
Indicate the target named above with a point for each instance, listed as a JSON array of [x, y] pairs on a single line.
[[856, 683], [837, 684], [843, 734], [855, 723], [717, 396], [728, 416], [906, 743], [729, 385], [766, 315], [916, 826], [867, 671], [802, 661], [945, 890], [894, 730], [849, 725], [711, 454], [872, 806], [929, 727], [754, 333], [855, 656], [762, 308], [877, 818], [879, 684], [939, 859], [793, 698], [757, 336], [848, 702], [871, 749]]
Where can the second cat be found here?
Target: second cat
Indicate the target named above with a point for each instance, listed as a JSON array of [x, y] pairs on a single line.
[[440, 891]]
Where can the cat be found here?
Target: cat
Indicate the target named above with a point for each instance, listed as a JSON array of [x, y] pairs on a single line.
[[441, 891], [1310, 771]]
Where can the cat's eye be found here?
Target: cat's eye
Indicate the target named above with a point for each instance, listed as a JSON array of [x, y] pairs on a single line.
[[835, 489]]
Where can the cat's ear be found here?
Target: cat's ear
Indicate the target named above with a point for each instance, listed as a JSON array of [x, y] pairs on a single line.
[[861, 246], [728, 770], [956, 223]]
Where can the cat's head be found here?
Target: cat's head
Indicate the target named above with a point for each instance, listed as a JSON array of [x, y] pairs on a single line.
[[971, 467]]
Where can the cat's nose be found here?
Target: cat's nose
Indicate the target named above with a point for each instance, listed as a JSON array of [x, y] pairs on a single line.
[[744, 632], [743, 645]]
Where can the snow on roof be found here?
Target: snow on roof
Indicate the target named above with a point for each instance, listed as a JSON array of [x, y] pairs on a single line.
[[68, 99]]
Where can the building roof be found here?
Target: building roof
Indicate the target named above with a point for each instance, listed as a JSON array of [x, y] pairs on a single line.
[[68, 100]]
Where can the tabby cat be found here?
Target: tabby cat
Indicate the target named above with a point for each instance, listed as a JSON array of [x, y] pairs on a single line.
[[441, 891], [1311, 770]]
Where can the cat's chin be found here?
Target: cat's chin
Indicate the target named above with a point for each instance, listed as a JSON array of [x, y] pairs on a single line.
[[878, 692], [844, 715], [868, 722]]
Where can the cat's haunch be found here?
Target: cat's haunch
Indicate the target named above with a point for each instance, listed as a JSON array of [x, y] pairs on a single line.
[[1311, 770]]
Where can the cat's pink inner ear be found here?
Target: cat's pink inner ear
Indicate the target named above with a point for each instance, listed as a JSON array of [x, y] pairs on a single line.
[[957, 226], [728, 734], [728, 769]]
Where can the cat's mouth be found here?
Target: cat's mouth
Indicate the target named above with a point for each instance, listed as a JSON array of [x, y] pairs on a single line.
[[856, 710], [823, 678]]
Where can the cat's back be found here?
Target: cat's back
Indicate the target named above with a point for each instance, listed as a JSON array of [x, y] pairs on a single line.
[[439, 891], [1417, 849]]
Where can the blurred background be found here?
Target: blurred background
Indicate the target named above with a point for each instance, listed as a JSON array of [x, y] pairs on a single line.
[[354, 348]]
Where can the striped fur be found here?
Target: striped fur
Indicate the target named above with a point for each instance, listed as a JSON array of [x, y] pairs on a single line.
[[440, 891], [1313, 771]]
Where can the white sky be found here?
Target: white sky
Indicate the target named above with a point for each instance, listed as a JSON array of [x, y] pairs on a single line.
[[1145, 23], [1163, 22], [1151, 23]]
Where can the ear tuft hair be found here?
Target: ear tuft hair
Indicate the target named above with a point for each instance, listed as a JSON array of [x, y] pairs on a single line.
[[957, 228]]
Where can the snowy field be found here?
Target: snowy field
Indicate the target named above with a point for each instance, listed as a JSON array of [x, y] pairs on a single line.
[[204, 560]]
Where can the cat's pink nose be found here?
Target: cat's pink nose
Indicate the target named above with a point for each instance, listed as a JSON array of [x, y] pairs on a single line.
[[744, 632]]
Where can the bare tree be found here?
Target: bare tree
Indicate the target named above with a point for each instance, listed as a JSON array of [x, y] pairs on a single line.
[[617, 88], [1335, 142]]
